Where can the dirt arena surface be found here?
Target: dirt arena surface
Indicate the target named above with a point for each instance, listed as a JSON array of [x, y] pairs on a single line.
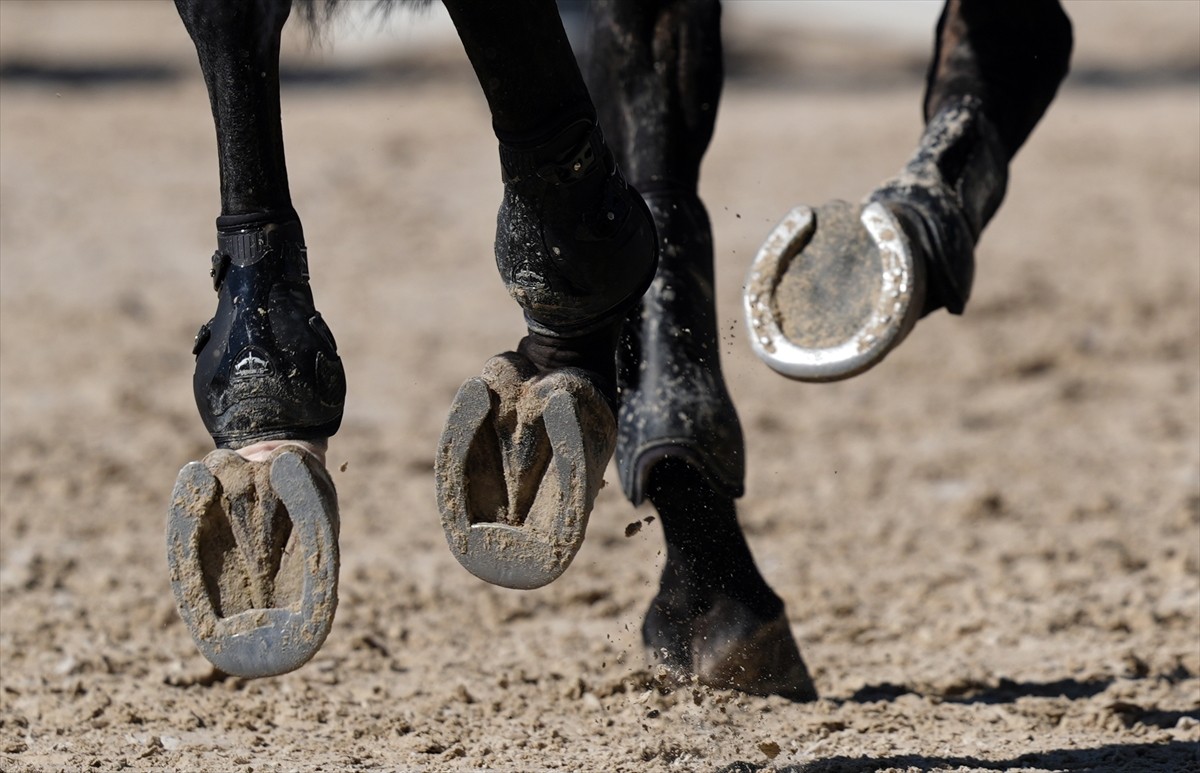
[[989, 546]]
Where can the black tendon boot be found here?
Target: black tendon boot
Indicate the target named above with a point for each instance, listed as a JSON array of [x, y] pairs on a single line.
[[673, 398], [267, 367]]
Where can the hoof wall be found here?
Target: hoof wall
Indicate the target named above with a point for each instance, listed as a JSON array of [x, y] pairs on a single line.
[[765, 661], [727, 648], [521, 460], [252, 550], [832, 291]]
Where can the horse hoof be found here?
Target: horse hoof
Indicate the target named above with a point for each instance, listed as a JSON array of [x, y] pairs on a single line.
[[763, 659], [252, 550], [521, 460], [728, 649], [832, 291]]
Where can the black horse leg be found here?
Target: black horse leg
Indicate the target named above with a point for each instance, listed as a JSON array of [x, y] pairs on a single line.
[[259, 377], [268, 383], [1012, 60], [833, 291], [523, 454], [238, 47], [657, 72], [574, 245], [994, 72]]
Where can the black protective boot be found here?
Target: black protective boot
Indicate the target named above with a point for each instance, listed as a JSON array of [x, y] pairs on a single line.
[[673, 397], [575, 245], [267, 366]]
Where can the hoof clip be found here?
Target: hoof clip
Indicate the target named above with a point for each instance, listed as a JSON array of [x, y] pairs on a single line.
[[252, 549]]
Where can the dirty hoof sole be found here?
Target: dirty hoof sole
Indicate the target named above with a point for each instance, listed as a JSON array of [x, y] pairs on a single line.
[[518, 469], [832, 291], [271, 640]]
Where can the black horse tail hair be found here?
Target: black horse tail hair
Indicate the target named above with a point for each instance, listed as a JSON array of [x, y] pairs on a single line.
[[317, 13]]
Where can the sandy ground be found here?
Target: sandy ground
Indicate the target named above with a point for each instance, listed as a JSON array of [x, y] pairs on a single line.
[[989, 546]]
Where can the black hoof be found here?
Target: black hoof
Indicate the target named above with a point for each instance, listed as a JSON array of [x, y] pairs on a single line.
[[728, 648], [252, 550], [521, 460]]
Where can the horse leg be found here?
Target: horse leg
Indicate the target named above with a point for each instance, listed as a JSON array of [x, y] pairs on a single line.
[[525, 446], [832, 291], [252, 530], [657, 72]]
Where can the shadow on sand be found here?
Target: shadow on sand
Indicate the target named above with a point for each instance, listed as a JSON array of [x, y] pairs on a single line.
[[1128, 757], [1005, 691]]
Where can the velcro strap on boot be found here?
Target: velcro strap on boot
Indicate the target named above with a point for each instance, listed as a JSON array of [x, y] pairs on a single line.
[[561, 160]]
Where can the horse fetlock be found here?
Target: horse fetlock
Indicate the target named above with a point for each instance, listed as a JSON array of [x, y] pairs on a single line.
[[267, 366], [575, 244]]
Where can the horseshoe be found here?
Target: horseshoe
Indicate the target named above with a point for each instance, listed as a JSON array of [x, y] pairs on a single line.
[[832, 291], [521, 460], [257, 595]]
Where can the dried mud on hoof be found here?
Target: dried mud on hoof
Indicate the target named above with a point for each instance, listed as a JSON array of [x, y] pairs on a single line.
[[252, 550], [519, 465], [832, 291]]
